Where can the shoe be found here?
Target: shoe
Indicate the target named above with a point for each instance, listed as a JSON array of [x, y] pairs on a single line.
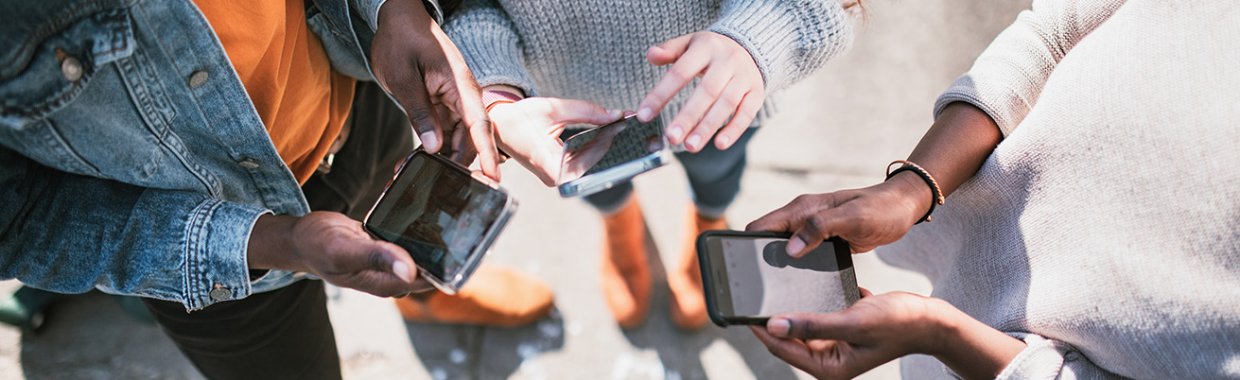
[[25, 308], [626, 273], [688, 303], [493, 297]]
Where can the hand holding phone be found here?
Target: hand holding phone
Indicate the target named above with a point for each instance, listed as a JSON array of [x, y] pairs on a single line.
[[443, 215], [529, 130], [749, 277], [335, 248]]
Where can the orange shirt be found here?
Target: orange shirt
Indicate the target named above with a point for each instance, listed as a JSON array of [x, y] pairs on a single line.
[[302, 102]]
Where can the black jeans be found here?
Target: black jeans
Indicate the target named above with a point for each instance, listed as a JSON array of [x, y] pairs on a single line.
[[286, 334]]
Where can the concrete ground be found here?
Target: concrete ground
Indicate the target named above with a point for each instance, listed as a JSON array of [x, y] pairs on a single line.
[[836, 130]]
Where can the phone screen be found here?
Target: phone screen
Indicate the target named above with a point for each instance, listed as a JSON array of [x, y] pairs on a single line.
[[437, 212], [763, 280], [610, 146]]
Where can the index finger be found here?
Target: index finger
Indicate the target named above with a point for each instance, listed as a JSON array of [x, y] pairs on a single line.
[[682, 72], [806, 326], [783, 219], [481, 132]]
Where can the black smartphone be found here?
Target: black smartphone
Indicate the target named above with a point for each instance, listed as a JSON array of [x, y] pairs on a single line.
[[445, 216], [749, 276]]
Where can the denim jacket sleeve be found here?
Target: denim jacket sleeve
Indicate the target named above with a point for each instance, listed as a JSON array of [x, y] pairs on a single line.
[[369, 10], [68, 233]]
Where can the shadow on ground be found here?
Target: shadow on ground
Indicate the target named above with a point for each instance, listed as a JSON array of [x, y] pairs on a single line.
[[472, 352], [680, 351], [458, 351], [91, 337]]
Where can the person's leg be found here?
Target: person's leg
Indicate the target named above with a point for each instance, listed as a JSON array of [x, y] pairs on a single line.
[[625, 275], [715, 175], [715, 178], [282, 334]]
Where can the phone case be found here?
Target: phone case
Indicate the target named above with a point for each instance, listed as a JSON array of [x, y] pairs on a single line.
[[611, 177], [606, 179], [453, 285], [712, 308]]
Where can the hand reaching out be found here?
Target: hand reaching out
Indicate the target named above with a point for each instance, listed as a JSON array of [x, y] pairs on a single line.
[[731, 87]]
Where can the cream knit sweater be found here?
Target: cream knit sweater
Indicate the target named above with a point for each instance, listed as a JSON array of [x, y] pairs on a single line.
[[595, 50], [1105, 229]]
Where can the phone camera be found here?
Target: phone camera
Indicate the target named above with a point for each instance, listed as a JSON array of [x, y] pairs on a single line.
[[776, 254]]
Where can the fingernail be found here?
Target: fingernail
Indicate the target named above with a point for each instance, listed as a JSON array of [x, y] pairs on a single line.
[[429, 141], [674, 132], [616, 114], [795, 245], [694, 141], [723, 142], [401, 270], [645, 114], [778, 327]]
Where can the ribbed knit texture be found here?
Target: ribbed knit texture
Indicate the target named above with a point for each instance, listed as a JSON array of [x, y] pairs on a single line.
[[596, 49], [1105, 229]]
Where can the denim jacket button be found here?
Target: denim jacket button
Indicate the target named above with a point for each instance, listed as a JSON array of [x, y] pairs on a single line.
[[71, 68], [198, 78], [248, 164], [220, 293]]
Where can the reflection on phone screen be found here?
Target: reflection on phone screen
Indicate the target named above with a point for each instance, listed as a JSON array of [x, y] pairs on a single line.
[[763, 280], [437, 213], [609, 146]]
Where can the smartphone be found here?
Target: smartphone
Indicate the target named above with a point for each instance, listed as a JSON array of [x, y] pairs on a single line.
[[443, 215], [600, 158], [749, 276]]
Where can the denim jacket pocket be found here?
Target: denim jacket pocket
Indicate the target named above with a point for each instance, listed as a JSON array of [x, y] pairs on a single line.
[[86, 100]]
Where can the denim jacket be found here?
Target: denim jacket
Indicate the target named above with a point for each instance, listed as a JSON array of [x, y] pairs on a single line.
[[131, 158]]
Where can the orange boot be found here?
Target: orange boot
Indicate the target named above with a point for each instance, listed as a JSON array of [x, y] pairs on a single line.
[[493, 297], [685, 280], [626, 274]]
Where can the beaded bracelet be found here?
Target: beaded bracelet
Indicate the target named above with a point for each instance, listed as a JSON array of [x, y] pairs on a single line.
[[925, 176]]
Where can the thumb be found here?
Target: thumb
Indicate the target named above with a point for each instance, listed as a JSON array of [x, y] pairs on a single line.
[[806, 326], [572, 111], [669, 51], [381, 257]]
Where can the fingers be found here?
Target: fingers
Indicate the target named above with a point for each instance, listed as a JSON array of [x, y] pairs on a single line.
[[792, 351], [688, 126], [783, 219], [865, 292], [687, 67], [463, 95], [572, 111], [669, 51], [807, 326], [741, 119], [817, 227]]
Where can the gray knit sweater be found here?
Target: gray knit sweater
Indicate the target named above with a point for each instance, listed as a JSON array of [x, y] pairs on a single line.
[[595, 50]]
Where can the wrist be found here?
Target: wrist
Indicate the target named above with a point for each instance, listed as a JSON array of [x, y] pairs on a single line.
[[270, 243], [911, 192], [945, 329], [409, 10]]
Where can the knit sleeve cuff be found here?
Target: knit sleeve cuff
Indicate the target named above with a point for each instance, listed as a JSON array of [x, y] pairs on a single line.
[[788, 39], [1004, 105], [491, 47], [1042, 358]]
